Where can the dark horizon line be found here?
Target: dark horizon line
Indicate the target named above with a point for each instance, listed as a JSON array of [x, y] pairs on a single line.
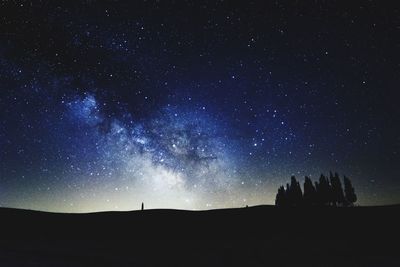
[[199, 211]]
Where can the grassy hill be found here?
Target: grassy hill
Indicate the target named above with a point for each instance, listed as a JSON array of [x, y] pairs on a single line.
[[254, 236]]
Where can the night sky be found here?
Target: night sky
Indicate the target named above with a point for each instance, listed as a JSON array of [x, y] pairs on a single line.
[[194, 104]]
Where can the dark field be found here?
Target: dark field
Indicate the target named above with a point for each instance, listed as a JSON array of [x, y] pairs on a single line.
[[255, 236]]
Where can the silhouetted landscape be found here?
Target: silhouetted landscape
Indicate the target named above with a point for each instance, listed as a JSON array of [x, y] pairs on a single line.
[[253, 236], [326, 192], [194, 133]]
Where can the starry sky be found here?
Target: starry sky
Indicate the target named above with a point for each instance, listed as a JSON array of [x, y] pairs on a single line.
[[195, 104]]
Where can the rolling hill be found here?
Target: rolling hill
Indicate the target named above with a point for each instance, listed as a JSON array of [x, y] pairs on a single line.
[[254, 236]]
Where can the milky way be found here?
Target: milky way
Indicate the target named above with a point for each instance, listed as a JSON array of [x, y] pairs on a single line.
[[172, 159], [194, 105]]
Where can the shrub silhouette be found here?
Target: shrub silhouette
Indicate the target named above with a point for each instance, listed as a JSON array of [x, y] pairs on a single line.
[[325, 192]]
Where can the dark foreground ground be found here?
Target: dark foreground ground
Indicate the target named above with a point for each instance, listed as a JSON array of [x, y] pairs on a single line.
[[256, 236]]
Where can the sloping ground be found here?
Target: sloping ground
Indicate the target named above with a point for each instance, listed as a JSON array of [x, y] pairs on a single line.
[[257, 236]]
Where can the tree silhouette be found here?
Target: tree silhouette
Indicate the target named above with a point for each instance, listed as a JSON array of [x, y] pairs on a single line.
[[318, 196], [325, 192], [288, 200], [280, 199], [295, 193], [350, 195], [337, 191], [310, 194], [331, 194]]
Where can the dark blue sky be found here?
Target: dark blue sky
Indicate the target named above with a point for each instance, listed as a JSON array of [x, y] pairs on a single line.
[[195, 104]]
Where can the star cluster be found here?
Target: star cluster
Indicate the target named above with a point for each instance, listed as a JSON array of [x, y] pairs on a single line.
[[194, 105]]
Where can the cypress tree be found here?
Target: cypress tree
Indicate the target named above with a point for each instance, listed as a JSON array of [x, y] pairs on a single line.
[[318, 194], [350, 194], [337, 190], [324, 190], [280, 197], [288, 195], [310, 194], [295, 192]]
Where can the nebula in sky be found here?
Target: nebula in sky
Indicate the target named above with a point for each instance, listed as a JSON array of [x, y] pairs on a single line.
[[194, 105]]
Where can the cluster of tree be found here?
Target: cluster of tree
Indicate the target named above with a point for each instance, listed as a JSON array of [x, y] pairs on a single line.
[[325, 192]]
